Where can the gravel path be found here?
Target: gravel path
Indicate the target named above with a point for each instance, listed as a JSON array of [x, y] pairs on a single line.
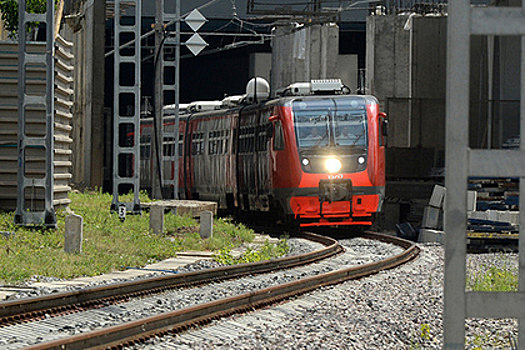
[[397, 309]]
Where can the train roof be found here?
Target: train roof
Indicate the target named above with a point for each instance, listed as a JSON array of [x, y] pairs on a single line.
[[257, 94]]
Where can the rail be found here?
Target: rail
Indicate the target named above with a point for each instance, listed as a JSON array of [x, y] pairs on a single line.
[[139, 331]]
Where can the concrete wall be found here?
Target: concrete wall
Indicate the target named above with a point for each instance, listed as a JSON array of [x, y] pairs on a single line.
[[261, 65], [428, 67], [347, 69], [302, 54], [387, 57], [388, 72], [406, 67]]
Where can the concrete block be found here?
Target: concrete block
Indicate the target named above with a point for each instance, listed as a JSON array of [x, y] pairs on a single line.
[[471, 200], [491, 215], [479, 215], [73, 234], [431, 236], [156, 219], [514, 217], [503, 216], [206, 229], [431, 217], [438, 196]]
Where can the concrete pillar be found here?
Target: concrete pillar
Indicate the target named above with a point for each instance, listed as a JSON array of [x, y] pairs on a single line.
[[206, 229], [156, 219], [95, 104], [73, 234]]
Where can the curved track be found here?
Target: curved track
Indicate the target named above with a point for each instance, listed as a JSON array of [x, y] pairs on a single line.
[[140, 330]]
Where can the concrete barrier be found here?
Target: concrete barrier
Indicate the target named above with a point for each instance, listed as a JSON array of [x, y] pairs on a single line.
[[206, 229], [156, 219], [73, 234]]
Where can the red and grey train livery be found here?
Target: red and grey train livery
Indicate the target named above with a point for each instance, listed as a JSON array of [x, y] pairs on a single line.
[[314, 156]]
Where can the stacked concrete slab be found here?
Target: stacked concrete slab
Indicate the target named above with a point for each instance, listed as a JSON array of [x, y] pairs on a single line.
[[503, 216], [432, 223]]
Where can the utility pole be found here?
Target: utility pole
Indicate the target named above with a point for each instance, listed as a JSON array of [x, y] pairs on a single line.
[[177, 96], [157, 139]]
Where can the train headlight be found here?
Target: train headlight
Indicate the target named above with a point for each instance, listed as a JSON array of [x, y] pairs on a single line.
[[333, 165], [361, 160], [305, 161]]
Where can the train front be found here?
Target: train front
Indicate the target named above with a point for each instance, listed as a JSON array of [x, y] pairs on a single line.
[[337, 159]]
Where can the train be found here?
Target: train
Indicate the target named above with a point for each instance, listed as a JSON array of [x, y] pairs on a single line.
[[313, 155]]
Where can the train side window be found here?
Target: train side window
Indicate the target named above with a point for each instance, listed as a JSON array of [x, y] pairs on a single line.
[[278, 141], [169, 146], [197, 143]]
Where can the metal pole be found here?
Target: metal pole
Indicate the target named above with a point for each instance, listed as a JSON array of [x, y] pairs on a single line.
[[177, 77], [157, 139]]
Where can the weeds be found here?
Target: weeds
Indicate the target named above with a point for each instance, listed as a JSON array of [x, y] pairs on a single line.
[[497, 277], [266, 252]]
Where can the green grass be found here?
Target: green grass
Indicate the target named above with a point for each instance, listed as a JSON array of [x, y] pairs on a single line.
[[108, 244], [498, 277], [266, 252]]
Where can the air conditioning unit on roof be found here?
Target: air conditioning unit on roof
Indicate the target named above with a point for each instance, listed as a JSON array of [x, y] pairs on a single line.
[[326, 85]]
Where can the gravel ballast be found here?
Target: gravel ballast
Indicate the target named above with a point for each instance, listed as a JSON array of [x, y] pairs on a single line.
[[396, 309]]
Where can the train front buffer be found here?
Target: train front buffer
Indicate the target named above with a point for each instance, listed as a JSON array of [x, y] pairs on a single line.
[[337, 202]]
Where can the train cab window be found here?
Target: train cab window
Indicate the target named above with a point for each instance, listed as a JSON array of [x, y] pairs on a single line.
[[278, 141], [312, 128], [350, 128]]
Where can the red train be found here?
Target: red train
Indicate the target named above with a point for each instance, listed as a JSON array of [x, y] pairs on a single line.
[[313, 157]]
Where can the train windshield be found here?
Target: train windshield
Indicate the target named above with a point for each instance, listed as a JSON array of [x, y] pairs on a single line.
[[330, 123]]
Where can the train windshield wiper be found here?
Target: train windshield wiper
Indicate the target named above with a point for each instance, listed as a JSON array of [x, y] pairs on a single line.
[[358, 138], [317, 144]]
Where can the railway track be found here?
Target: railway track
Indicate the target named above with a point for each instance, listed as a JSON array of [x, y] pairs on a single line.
[[139, 329]]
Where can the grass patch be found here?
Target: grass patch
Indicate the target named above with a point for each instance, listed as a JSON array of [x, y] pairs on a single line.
[[498, 277], [266, 252], [108, 244]]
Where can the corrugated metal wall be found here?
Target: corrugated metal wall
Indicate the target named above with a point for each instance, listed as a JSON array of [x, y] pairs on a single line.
[[36, 77]]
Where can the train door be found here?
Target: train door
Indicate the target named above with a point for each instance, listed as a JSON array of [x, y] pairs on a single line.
[[247, 158], [263, 138]]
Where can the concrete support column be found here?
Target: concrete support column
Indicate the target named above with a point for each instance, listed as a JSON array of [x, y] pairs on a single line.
[[95, 88]]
